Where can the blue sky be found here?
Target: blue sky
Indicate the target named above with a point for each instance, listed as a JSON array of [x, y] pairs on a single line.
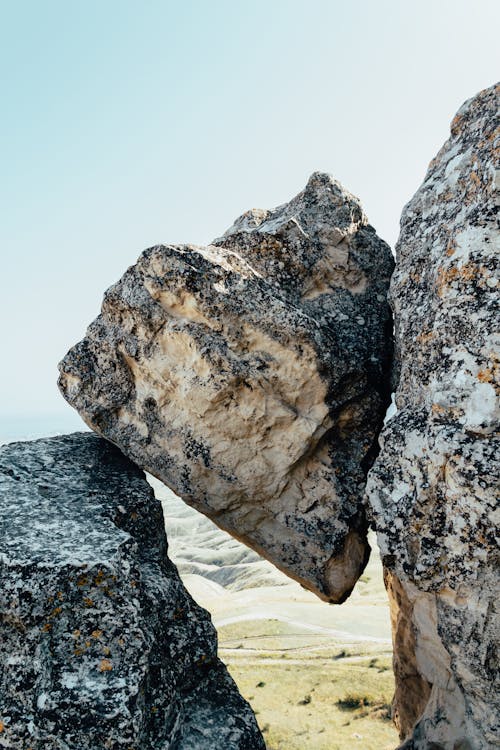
[[125, 124]]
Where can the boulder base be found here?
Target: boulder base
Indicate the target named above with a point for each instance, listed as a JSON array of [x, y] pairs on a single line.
[[101, 646]]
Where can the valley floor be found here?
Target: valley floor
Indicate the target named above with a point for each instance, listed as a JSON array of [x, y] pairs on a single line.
[[318, 676]]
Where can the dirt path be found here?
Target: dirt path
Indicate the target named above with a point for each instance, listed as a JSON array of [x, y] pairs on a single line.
[[235, 653], [340, 634]]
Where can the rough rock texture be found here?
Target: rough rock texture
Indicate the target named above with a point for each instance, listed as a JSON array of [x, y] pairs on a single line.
[[100, 644], [433, 489], [251, 377]]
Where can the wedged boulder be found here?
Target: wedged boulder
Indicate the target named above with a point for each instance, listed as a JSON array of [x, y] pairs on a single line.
[[434, 487], [251, 377], [101, 646]]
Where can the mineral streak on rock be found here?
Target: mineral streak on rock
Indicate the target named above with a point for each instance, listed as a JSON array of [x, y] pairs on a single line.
[[251, 377], [433, 489], [101, 646]]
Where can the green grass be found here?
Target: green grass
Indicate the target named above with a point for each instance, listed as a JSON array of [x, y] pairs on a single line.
[[311, 691], [328, 705], [272, 638]]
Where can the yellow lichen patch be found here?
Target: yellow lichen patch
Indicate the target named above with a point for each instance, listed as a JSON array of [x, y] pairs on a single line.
[[451, 247], [471, 183], [99, 578], [425, 337], [456, 124], [55, 612], [468, 272], [76, 633], [475, 178], [78, 651], [88, 601], [446, 276], [105, 665], [88, 644], [60, 595], [2, 726], [485, 376], [438, 409], [121, 642], [82, 581], [433, 162], [415, 277], [47, 627], [96, 633], [106, 650]]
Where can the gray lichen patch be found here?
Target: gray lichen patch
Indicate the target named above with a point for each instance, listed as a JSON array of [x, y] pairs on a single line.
[[434, 488], [101, 646]]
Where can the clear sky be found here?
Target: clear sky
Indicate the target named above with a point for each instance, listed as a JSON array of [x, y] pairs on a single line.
[[124, 124]]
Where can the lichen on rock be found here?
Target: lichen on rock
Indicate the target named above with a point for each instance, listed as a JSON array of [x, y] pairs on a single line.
[[434, 488], [251, 377], [101, 646]]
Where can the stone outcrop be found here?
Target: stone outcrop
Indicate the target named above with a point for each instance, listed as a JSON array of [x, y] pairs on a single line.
[[251, 377], [101, 646], [433, 489]]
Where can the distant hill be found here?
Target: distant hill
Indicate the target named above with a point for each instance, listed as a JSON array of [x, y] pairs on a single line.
[[199, 547], [236, 585]]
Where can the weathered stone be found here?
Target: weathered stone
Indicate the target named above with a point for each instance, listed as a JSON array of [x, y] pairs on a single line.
[[433, 489], [101, 646], [251, 377]]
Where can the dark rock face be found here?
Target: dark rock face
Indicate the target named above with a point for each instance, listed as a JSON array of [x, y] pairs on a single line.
[[251, 377], [434, 488], [101, 647]]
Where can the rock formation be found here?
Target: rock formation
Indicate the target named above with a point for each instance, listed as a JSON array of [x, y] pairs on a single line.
[[100, 644], [251, 377], [433, 489]]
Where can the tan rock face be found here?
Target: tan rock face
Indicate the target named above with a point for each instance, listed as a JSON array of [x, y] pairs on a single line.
[[251, 377], [434, 487]]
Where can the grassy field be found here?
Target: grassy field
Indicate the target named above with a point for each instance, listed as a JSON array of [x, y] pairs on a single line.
[[320, 704], [309, 691]]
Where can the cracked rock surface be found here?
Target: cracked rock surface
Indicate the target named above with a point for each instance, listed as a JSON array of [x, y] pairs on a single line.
[[251, 377], [434, 488], [101, 646]]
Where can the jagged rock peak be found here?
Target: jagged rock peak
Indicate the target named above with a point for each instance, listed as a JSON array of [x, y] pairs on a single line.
[[251, 377], [434, 487], [312, 209], [101, 646]]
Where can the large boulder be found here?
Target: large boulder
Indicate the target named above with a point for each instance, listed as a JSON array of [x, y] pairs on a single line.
[[433, 490], [251, 376], [101, 646]]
